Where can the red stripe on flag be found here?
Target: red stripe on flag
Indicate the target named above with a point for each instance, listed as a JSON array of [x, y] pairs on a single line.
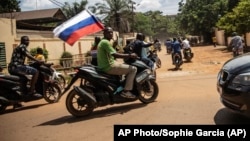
[[84, 31]]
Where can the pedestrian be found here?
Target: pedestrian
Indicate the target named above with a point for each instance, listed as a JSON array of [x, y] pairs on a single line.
[[214, 41]]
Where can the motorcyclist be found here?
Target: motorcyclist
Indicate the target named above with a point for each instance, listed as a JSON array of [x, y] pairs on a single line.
[[185, 45], [157, 45], [236, 43], [168, 43], [176, 48], [17, 66], [140, 49], [106, 62]]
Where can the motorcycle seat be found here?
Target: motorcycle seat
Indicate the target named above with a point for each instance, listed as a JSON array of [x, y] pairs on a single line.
[[107, 75]]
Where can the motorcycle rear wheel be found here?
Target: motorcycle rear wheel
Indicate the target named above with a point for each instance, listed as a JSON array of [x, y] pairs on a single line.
[[149, 92], [61, 81], [52, 93], [77, 106]]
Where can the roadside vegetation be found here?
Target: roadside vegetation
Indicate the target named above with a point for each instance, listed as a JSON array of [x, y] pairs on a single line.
[[195, 17]]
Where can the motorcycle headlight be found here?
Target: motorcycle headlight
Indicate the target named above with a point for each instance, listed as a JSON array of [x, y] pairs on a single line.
[[242, 79]]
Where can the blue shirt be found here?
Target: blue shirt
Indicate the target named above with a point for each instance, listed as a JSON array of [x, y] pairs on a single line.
[[176, 46]]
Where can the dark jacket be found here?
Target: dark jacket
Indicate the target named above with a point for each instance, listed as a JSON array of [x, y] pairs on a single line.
[[138, 45]]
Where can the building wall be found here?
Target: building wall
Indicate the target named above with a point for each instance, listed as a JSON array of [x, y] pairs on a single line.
[[44, 39]]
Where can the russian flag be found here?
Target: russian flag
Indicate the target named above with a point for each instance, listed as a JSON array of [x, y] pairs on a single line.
[[84, 23]]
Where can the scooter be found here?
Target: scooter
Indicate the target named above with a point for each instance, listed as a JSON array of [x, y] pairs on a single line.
[[177, 60], [188, 55], [155, 58], [237, 51], [103, 89], [14, 88], [58, 76]]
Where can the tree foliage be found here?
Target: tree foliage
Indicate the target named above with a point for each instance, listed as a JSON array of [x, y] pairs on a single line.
[[8, 6], [115, 13], [238, 20], [199, 17], [232, 4], [71, 10]]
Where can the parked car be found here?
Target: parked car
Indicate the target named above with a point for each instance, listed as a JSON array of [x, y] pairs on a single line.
[[233, 84]]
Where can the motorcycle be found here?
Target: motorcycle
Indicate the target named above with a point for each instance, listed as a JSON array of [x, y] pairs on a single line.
[[58, 76], [14, 88], [154, 57], [188, 55], [237, 51], [103, 89], [177, 60], [169, 50]]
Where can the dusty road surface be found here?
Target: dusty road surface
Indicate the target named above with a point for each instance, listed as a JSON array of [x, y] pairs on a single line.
[[186, 96]]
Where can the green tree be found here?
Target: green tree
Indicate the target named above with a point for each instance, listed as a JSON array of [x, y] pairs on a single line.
[[7, 6], [199, 17], [75, 8], [143, 24], [115, 13], [232, 4], [238, 20]]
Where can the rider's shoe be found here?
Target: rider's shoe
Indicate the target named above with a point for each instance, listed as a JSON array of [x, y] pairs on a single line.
[[127, 94], [36, 95], [17, 105]]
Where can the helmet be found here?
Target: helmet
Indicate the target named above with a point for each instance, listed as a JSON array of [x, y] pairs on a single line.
[[139, 36], [234, 33]]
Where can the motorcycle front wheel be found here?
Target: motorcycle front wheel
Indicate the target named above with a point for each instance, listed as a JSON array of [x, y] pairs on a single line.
[[3, 106], [52, 93], [149, 92], [77, 106]]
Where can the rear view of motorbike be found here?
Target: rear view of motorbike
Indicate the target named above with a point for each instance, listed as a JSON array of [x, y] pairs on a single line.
[[188, 55], [177, 60], [237, 51]]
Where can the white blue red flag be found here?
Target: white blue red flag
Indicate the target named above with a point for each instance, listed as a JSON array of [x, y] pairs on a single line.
[[82, 24]]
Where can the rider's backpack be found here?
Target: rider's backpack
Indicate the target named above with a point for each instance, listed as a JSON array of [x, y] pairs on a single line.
[[129, 48]]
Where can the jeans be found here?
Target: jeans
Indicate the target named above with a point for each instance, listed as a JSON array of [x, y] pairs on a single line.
[[148, 61], [129, 71], [22, 70]]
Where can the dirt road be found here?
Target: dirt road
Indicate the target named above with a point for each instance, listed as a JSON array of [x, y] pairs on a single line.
[[187, 96]]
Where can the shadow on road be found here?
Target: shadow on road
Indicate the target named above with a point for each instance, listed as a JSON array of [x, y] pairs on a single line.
[[175, 69], [96, 114], [225, 116], [11, 110]]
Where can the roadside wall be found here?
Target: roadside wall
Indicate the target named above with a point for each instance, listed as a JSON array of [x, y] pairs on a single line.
[[45, 39]]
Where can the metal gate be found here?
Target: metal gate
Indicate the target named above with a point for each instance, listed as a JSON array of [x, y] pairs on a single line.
[[2, 55]]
